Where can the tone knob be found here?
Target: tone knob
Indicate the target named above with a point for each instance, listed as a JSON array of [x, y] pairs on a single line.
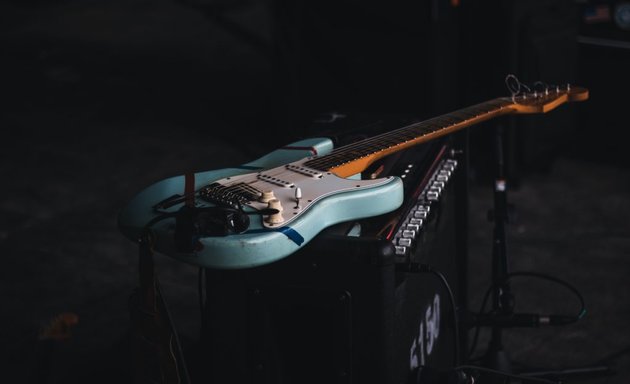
[[266, 196], [276, 218]]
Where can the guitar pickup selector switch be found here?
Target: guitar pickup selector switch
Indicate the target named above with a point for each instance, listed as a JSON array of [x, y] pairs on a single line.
[[412, 226]]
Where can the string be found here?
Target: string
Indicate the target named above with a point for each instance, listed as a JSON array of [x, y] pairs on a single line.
[[402, 135]]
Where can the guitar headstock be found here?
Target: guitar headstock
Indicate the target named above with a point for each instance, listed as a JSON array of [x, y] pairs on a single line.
[[544, 100]]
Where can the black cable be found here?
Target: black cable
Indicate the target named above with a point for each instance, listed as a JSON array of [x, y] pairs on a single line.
[[473, 344], [429, 269], [565, 284], [569, 319], [505, 374]]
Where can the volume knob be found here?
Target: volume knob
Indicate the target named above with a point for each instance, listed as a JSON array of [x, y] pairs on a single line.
[[275, 218], [266, 196]]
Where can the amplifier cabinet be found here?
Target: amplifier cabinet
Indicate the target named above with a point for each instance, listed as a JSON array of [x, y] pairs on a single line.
[[345, 309]]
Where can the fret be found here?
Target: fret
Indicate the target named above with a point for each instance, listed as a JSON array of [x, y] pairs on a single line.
[[387, 141], [444, 121], [466, 114], [481, 108], [410, 129], [407, 136], [426, 128], [477, 111], [501, 102], [448, 119], [471, 114]]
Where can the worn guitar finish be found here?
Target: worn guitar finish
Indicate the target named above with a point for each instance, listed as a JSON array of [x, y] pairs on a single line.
[[301, 189]]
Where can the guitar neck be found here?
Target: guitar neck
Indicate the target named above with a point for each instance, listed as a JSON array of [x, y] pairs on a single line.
[[355, 158]]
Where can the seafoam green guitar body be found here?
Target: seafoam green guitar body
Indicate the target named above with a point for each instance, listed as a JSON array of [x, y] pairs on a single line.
[[327, 200], [296, 189]]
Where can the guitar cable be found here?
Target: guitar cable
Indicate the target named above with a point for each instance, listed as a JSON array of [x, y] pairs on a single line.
[[426, 268], [552, 319], [462, 377], [192, 223]]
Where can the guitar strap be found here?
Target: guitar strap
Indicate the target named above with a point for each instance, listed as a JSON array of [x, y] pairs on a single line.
[[157, 354]]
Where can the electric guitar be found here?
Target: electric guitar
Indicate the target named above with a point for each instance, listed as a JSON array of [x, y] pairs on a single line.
[[264, 211]]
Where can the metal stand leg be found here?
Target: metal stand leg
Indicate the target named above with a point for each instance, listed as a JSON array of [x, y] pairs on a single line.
[[496, 356], [502, 298]]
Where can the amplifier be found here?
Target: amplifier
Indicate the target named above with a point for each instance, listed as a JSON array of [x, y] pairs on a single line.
[[349, 307]]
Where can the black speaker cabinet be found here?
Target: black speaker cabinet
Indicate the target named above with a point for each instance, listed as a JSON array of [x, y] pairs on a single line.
[[345, 309]]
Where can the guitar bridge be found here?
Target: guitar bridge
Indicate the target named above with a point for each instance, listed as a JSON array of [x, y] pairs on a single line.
[[234, 195]]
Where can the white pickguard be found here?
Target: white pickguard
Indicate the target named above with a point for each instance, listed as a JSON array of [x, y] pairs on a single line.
[[284, 181]]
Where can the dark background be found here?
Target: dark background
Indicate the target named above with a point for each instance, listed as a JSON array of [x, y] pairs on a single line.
[[102, 98]]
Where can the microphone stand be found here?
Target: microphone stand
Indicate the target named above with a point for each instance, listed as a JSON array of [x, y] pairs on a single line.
[[502, 314], [502, 298]]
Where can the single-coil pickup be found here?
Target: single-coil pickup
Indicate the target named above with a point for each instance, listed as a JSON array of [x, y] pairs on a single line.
[[303, 170], [275, 180]]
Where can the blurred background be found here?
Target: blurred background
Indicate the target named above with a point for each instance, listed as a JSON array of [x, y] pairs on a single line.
[[102, 98]]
